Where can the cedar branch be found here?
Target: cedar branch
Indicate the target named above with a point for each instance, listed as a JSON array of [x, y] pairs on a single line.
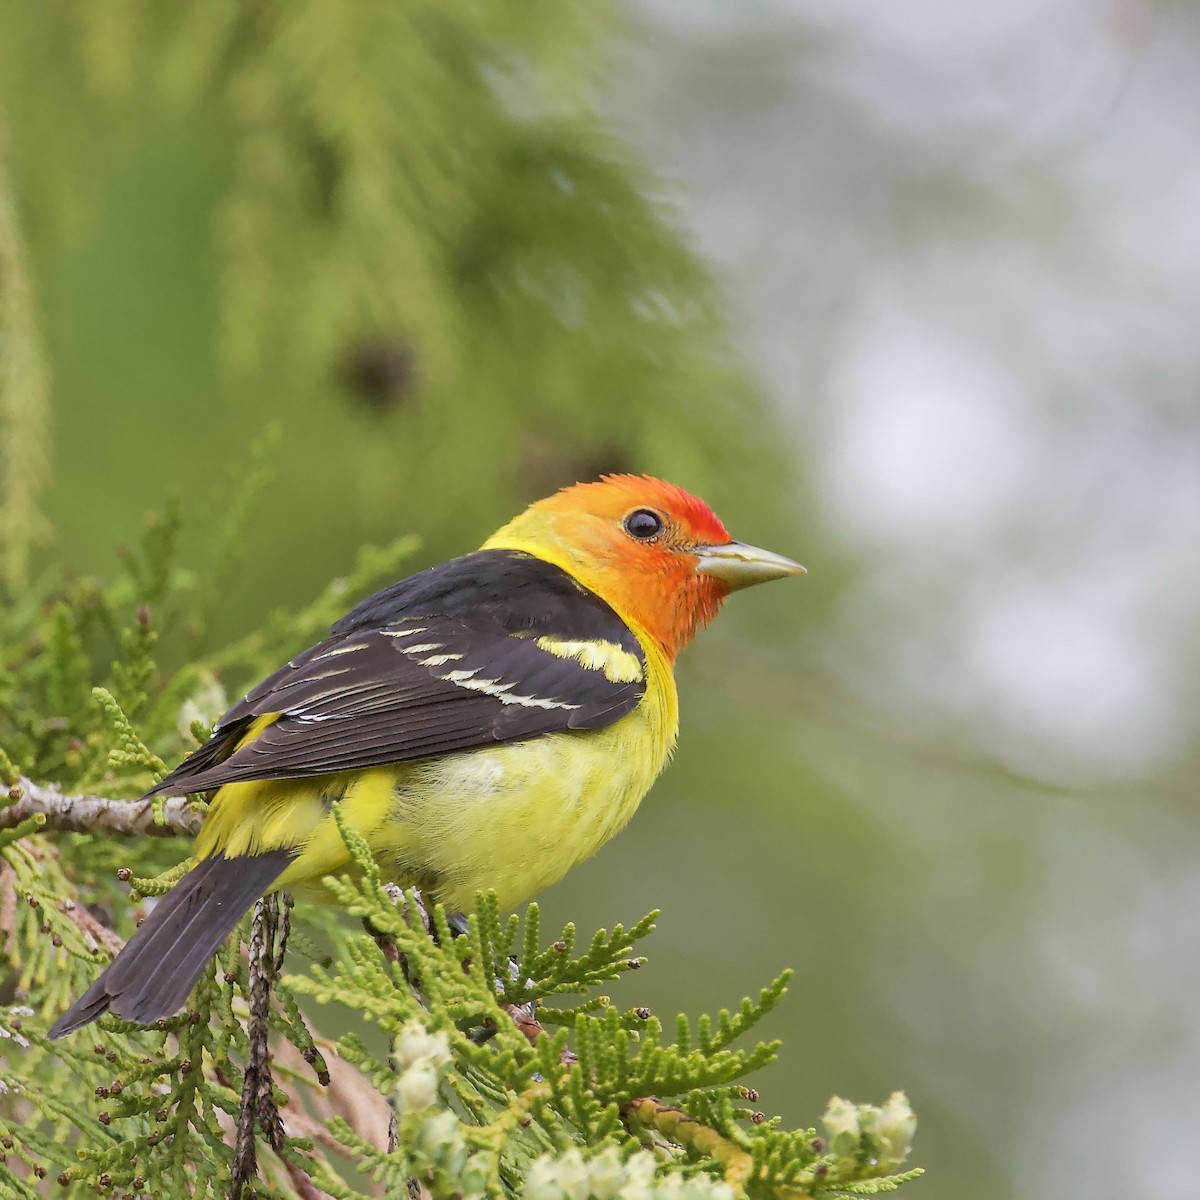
[[97, 814]]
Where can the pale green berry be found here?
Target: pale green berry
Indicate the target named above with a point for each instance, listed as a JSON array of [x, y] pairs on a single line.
[[417, 1088], [842, 1127]]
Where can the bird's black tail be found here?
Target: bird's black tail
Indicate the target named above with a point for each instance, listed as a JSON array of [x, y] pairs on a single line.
[[159, 965]]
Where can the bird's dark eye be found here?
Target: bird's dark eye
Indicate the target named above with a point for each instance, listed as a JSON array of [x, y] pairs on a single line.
[[643, 524]]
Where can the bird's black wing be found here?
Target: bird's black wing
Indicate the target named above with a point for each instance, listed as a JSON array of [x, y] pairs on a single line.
[[493, 647]]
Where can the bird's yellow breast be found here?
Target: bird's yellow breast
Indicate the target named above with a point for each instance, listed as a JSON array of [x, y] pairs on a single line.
[[513, 818]]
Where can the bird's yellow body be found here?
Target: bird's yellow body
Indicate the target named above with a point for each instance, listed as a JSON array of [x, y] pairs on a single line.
[[513, 818]]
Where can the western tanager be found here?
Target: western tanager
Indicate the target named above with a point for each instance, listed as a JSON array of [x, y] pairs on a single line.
[[486, 723]]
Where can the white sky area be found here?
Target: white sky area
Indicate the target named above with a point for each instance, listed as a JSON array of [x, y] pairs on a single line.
[[964, 245]]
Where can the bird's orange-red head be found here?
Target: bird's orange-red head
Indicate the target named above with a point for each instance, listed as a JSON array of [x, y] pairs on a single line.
[[657, 554]]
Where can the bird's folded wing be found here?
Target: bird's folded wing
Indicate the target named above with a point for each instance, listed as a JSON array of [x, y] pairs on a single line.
[[541, 656]]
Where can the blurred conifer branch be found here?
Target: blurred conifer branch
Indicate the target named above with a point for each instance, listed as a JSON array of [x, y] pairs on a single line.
[[24, 398], [408, 191]]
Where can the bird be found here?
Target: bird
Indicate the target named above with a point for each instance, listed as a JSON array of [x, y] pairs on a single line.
[[486, 723]]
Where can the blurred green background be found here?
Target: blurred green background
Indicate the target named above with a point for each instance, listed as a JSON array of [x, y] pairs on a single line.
[[943, 351]]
